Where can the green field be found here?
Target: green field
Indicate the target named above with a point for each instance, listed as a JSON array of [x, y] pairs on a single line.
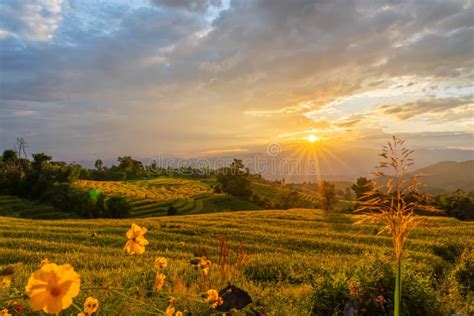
[[11, 205], [292, 255], [154, 197]]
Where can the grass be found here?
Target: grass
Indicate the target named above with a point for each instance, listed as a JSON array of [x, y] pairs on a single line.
[[14, 206], [160, 189], [288, 251], [153, 197]]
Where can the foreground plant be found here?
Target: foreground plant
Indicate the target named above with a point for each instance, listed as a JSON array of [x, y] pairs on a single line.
[[212, 297], [5, 312], [6, 281], [136, 241], [91, 305], [395, 203], [52, 287]]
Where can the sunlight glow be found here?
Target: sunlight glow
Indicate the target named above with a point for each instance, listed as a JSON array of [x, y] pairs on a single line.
[[312, 138]]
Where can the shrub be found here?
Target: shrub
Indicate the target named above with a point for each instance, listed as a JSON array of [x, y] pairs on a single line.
[[171, 211], [118, 207], [370, 287], [457, 289]]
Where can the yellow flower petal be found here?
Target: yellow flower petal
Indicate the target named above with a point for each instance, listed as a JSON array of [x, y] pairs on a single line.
[[91, 305], [52, 287]]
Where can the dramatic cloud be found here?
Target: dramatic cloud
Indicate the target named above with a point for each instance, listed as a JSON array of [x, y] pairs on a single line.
[[33, 21], [429, 106], [157, 75]]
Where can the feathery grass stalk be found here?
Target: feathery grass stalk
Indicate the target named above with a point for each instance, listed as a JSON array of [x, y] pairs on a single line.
[[395, 202]]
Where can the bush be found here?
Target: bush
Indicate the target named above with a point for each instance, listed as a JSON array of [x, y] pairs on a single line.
[[457, 289], [369, 287], [70, 200], [171, 211], [118, 207]]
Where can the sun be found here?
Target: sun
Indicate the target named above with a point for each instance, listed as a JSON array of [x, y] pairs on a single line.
[[312, 138]]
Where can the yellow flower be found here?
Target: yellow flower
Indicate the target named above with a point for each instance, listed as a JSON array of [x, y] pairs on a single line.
[[213, 298], [5, 312], [52, 287], [161, 262], [91, 305], [81, 314], [136, 242], [172, 300], [159, 281], [205, 265], [170, 310], [6, 281], [44, 261]]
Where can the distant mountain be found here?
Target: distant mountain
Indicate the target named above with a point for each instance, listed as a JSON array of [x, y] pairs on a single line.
[[448, 176], [333, 163]]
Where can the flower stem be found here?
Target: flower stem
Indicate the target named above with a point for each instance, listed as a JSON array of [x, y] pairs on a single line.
[[135, 300]]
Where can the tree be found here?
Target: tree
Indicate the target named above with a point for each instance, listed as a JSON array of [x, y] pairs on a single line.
[[327, 194], [118, 207], [347, 194], [395, 203], [132, 168], [21, 146], [289, 201], [98, 164], [40, 160], [362, 186], [459, 204], [234, 180], [10, 157]]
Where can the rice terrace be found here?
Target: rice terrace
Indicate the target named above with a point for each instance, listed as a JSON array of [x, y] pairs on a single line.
[[236, 157]]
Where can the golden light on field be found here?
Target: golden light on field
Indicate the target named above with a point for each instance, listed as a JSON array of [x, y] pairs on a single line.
[[312, 138]]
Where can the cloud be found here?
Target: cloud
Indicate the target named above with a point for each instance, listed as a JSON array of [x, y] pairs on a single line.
[[427, 106], [190, 5], [31, 20], [183, 75]]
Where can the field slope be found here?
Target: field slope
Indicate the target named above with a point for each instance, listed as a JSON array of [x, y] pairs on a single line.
[[287, 250], [153, 197]]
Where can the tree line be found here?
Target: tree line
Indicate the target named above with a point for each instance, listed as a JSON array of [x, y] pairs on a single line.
[[45, 180]]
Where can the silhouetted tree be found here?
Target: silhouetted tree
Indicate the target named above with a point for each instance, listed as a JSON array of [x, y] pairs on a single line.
[[10, 157], [289, 201], [362, 186], [327, 194], [118, 207], [459, 204], [98, 164], [234, 180], [347, 194], [40, 160]]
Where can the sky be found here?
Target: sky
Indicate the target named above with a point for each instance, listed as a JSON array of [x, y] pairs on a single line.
[[83, 79]]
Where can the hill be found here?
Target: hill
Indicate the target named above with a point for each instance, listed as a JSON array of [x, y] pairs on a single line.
[[14, 206], [448, 176], [153, 197], [288, 257]]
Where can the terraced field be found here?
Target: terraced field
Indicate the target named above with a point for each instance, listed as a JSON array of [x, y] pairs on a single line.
[[14, 206], [154, 197], [161, 189], [291, 255]]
